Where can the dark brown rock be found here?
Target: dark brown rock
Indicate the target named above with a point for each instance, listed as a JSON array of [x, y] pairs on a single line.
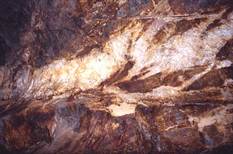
[[127, 76]]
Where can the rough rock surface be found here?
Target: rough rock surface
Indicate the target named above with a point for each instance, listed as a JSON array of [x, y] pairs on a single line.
[[116, 76]]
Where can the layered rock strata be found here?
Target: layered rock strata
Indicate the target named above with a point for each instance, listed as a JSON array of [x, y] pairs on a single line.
[[127, 76]]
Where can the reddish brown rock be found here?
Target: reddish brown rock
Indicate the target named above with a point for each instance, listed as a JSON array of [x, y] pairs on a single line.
[[127, 76]]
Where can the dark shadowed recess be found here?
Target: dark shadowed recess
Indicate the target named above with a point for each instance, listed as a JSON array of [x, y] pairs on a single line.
[[14, 15], [225, 149], [3, 49], [192, 6]]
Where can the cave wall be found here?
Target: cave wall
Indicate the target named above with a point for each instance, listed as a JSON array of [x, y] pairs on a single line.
[[139, 76]]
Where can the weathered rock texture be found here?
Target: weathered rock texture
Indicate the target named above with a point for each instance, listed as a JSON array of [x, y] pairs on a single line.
[[116, 76]]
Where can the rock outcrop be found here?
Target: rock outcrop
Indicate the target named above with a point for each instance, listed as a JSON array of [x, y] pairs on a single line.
[[126, 76]]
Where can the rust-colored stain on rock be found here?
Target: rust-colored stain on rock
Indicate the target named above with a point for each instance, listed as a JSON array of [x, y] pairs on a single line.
[[106, 76]]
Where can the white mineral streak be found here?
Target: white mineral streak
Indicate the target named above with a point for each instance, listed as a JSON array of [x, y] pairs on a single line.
[[87, 72], [183, 51], [139, 52], [121, 2], [122, 109], [59, 76], [220, 116], [227, 94], [224, 63], [197, 77], [177, 53], [228, 82]]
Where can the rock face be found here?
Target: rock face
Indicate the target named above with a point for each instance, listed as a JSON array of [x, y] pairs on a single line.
[[126, 76]]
